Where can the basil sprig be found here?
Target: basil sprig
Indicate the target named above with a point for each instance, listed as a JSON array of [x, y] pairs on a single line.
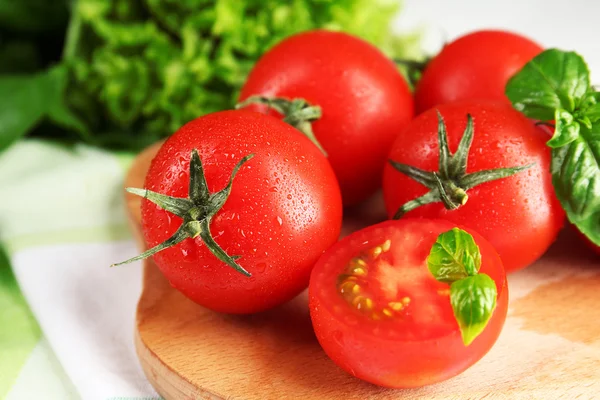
[[455, 259], [555, 86]]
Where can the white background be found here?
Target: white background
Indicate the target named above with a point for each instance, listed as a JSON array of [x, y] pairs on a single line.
[[565, 24]]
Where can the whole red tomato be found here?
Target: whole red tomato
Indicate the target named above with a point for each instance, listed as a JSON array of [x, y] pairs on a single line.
[[380, 315], [474, 66], [284, 210], [518, 214], [364, 101]]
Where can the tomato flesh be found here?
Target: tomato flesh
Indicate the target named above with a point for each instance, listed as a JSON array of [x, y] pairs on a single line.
[[381, 316]]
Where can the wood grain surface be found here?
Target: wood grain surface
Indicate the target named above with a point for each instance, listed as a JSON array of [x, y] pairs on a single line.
[[549, 348]]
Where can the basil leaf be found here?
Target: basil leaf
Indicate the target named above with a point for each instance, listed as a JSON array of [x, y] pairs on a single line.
[[576, 178], [567, 129], [454, 256], [591, 106], [552, 80], [33, 97], [21, 108], [473, 301]]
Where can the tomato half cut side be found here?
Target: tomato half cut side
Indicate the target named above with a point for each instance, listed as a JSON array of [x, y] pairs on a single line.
[[381, 315]]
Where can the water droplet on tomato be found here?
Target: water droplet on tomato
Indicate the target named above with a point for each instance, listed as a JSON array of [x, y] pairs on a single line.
[[289, 196], [279, 220], [274, 189], [260, 267]]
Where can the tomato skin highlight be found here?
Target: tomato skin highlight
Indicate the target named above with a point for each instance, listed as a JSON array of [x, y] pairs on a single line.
[[475, 66], [401, 362], [365, 101], [283, 212], [520, 215]]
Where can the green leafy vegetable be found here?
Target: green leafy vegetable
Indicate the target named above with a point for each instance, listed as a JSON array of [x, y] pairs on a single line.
[[455, 259], [555, 86], [473, 301], [552, 80], [454, 256], [32, 98], [137, 70]]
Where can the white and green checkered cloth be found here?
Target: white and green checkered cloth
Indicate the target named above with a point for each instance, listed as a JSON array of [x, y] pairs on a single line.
[[62, 223]]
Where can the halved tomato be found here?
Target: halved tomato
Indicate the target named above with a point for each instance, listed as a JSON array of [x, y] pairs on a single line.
[[379, 313]]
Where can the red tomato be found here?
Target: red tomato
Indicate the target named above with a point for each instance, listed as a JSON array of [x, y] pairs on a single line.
[[519, 215], [283, 212], [474, 66], [419, 343], [365, 101]]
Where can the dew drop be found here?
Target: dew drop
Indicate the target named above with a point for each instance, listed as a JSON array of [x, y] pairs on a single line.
[[279, 220], [260, 267]]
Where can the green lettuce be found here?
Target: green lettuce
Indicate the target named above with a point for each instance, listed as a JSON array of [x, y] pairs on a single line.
[[137, 70]]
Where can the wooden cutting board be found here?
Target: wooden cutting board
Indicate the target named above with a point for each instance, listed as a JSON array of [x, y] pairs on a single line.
[[549, 348]]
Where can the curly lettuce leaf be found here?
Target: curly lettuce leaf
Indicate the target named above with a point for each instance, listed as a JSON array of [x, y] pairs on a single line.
[[141, 69]]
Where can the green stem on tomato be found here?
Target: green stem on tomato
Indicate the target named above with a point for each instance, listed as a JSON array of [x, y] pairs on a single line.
[[449, 185], [296, 112], [196, 210]]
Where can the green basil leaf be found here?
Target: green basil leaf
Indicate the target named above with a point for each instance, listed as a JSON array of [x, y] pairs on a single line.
[[576, 178], [473, 301], [591, 106], [454, 256], [593, 113], [21, 108], [567, 129], [553, 80], [32, 98]]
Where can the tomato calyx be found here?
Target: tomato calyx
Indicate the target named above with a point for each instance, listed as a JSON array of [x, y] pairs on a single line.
[[297, 113], [455, 259], [196, 210], [450, 184]]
